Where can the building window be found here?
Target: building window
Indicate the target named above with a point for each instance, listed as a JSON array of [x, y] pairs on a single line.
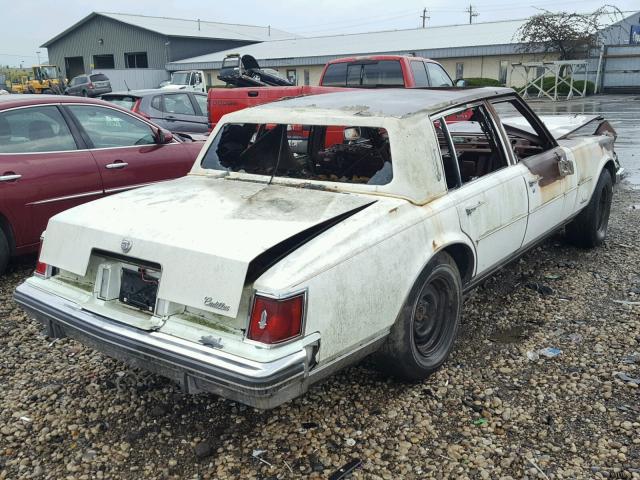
[[292, 76], [136, 60], [103, 61], [209, 82], [502, 74], [306, 77], [459, 70]]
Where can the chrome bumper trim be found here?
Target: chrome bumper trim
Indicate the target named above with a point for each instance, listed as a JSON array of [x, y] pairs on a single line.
[[195, 367]]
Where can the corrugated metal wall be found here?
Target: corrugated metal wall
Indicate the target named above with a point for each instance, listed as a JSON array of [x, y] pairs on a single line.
[[117, 39], [182, 47], [621, 72], [134, 78]]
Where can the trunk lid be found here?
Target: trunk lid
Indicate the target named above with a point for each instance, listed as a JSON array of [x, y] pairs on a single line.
[[204, 232]]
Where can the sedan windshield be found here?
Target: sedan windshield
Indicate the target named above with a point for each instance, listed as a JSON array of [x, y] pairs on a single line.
[[312, 152]]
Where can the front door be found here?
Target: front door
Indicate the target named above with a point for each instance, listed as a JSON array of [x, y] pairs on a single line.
[[547, 173], [126, 150], [43, 169], [548, 189]]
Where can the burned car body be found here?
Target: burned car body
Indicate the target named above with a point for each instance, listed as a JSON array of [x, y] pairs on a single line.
[[314, 231]]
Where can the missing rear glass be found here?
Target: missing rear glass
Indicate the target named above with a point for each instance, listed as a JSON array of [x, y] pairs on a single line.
[[311, 152]]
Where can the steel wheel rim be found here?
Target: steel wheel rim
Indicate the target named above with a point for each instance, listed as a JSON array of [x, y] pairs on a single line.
[[430, 316]]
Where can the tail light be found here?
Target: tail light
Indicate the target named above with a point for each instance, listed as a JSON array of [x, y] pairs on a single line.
[[42, 269], [276, 320], [136, 109], [91, 85]]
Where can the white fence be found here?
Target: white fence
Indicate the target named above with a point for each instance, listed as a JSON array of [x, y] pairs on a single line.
[[134, 78]]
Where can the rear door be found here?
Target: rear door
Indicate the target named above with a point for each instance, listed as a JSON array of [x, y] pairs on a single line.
[[486, 187], [180, 113], [125, 148], [44, 169]]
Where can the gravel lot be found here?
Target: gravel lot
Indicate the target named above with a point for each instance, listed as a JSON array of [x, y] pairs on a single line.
[[494, 411]]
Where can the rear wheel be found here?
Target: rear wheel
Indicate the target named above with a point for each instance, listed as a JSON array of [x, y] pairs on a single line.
[[85, 93], [422, 337], [4, 252], [589, 228]]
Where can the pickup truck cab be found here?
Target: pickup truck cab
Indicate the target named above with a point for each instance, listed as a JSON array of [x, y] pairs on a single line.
[[375, 71], [190, 80]]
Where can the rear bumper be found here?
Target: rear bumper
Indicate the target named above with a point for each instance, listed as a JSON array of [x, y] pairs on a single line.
[[195, 367]]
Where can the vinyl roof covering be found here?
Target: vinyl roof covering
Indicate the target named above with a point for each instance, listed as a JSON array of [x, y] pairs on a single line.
[[178, 27], [451, 36], [392, 102]]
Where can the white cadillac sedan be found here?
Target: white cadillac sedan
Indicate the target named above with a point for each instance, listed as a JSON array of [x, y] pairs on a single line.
[[314, 231]]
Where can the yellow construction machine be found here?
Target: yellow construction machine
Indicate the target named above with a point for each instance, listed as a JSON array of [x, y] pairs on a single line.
[[45, 79]]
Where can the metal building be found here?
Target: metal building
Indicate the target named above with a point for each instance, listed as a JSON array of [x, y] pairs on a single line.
[[484, 50], [117, 42]]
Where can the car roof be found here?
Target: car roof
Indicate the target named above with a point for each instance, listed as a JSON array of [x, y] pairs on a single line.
[[145, 92], [378, 58], [22, 100], [387, 102]]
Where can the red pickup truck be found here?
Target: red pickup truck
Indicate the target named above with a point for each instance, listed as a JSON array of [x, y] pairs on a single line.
[[377, 71]]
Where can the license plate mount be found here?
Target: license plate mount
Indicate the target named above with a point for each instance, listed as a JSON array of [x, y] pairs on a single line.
[[139, 288]]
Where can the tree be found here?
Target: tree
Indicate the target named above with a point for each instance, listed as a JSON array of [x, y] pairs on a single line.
[[571, 35]]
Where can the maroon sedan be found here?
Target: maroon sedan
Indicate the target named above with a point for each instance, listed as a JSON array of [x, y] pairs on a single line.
[[57, 152]]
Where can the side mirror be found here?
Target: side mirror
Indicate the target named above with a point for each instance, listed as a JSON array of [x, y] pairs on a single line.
[[163, 136], [460, 83]]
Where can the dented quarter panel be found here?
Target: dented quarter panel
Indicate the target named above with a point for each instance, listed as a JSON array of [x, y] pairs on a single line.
[[373, 257]]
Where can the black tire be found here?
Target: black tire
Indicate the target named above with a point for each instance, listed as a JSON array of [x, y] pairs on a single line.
[[424, 333], [589, 228], [4, 252], [85, 93]]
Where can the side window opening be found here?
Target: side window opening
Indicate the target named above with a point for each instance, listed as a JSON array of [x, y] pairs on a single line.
[[469, 145], [525, 137], [448, 153]]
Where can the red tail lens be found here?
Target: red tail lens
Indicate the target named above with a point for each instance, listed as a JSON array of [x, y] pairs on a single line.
[[42, 269], [276, 320]]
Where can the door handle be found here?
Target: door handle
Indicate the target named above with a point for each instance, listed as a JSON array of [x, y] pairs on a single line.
[[470, 210], [534, 181], [10, 177], [170, 117], [116, 165]]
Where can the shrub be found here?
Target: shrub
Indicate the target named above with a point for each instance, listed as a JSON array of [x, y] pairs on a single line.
[[482, 82]]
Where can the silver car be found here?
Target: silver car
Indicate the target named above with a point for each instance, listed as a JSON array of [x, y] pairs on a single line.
[[89, 85]]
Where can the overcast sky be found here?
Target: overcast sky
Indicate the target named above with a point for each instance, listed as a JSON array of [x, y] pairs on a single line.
[[29, 23]]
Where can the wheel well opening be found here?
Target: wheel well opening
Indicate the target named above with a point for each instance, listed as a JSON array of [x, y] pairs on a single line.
[[463, 256], [5, 227]]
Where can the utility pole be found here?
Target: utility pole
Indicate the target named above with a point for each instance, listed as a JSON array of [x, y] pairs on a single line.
[[425, 17], [471, 13]]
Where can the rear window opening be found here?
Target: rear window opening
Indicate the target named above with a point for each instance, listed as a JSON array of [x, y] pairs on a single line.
[[124, 101], [310, 152], [364, 74], [99, 77]]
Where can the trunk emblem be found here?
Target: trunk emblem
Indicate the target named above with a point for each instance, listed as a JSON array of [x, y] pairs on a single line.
[[263, 320], [126, 245]]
